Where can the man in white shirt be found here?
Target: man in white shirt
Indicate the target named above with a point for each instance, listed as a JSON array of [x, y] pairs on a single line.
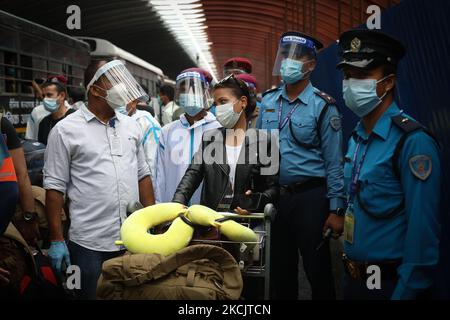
[[151, 132], [95, 156], [40, 112], [180, 139], [171, 111]]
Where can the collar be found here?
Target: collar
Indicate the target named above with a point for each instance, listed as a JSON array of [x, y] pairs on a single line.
[[206, 119], [303, 96], [88, 115], [383, 125]]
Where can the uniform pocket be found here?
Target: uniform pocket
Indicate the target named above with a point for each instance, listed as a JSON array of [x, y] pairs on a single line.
[[380, 195], [269, 120], [303, 130]]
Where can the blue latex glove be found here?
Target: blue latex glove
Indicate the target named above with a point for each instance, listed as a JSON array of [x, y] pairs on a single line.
[[57, 252]]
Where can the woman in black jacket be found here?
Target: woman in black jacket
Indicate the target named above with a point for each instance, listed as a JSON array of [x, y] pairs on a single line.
[[238, 166]]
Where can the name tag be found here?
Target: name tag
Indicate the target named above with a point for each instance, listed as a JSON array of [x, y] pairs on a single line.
[[349, 226], [269, 110], [116, 145]]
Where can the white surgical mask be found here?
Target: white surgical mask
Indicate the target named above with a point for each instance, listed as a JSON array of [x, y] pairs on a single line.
[[116, 96], [226, 116]]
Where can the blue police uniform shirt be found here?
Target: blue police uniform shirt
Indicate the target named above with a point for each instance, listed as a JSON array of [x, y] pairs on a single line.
[[298, 162], [412, 235]]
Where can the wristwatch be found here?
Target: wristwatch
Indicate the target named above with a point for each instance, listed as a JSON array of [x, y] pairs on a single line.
[[29, 216], [340, 212]]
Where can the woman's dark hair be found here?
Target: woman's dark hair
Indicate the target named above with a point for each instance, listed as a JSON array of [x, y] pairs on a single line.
[[239, 88]]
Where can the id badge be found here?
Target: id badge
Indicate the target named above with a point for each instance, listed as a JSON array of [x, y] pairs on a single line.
[[116, 146], [349, 226]]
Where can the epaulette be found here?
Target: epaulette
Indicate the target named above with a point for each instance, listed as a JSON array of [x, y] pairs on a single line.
[[325, 96], [406, 124], [270, 90]]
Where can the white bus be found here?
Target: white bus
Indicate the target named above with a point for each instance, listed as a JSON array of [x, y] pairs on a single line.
[[148, 76], [30, 51]]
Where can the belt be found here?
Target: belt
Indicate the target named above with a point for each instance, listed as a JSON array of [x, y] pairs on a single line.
[[302, 186], [358, 270]]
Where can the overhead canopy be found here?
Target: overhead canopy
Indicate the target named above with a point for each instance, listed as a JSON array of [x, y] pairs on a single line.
[[252, 28], [248, 29]]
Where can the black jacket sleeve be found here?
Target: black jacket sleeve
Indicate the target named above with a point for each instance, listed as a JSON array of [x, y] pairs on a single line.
[[270, 182], [191, 180]]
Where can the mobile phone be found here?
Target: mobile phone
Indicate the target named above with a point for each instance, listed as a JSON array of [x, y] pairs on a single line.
[[250, 203]]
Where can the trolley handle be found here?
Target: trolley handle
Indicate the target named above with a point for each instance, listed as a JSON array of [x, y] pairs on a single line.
[[270, 212]]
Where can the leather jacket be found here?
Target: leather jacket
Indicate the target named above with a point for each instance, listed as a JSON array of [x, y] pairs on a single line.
[[215, 172]]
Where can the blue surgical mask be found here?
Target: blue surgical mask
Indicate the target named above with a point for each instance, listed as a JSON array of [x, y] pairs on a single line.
[[191, 103], [292, 71], [50, 104], [360, 95]]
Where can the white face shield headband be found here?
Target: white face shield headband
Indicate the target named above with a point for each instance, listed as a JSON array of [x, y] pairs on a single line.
[[121, 87]]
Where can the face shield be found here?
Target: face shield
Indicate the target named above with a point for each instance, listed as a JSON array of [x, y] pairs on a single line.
[[192, 92], [294, 48], [120, 86]]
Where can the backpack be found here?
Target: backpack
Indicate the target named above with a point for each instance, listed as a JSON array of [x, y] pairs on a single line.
[[34, 157], [197, 272], [32, 277]]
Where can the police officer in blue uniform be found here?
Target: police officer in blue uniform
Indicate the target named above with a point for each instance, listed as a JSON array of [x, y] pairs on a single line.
[[392, 177], [311, 170]]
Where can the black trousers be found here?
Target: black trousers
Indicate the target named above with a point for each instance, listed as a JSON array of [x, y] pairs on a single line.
[[358, 290], [299, 227]]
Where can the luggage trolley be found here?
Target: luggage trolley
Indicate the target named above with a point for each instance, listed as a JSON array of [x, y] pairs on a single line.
[[253, 262]]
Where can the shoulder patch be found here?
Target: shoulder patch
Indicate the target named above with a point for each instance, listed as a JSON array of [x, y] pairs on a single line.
[[336, 123], [325, 96], [270, 91], [421, 166]]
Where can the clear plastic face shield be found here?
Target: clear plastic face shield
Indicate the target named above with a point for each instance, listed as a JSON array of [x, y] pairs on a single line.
[[120, 86], [294, 49], [192, 92]]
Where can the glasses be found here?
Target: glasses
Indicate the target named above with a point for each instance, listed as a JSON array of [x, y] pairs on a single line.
[[232, 77]]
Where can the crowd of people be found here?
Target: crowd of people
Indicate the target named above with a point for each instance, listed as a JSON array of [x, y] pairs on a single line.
[[222, 145]]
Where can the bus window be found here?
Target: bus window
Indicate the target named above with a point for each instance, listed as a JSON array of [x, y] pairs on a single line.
[[26, 74], [10, 71], [54, 68], [33, 45], [39, 68], [2, 74], [68, 71], [81, 59], [8, 38], [59, 53], [78, 76]]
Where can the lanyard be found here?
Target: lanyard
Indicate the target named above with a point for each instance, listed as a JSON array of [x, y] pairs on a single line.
[[285, 121], [356, 171]]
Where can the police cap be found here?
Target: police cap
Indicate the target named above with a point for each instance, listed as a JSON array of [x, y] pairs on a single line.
[[368, 49]]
